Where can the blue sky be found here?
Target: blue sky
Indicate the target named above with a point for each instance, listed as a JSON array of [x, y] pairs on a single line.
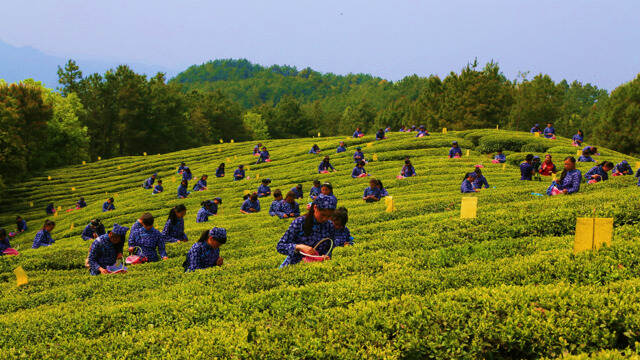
[[591, 41]]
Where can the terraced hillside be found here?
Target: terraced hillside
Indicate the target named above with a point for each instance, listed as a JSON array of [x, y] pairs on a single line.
[[419, 282]]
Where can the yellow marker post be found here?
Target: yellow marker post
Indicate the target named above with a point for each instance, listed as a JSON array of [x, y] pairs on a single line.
[[469, 208], [592, 233], [84, 162], [536, 134], [232, 141], [319, 135], [99, 158], [388, 200], [444, 130], [71, 228], [221, 141], [73, 188], [21, 276], [144, 153], [49, 177], [497, 127], [468, 152], [578, 153], [375, 157], [504, 166]]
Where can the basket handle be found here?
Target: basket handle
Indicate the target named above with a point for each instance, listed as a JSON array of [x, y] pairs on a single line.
[[316, 246]]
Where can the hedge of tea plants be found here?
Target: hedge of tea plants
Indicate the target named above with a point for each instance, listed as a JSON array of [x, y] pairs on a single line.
[[419, 282]]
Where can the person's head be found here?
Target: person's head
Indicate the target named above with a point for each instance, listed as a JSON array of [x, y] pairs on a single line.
[[380, 130], [326, 159], [315, 146], [547, 158], [528, 158], [217, 201], [206, 204], [536, 159], [277, 194], [358, 149], [264, 148], [594, 150], [569, 163], [316, 183], [204, 177], [221, 166], [214, 237], [291, 197], [320, 210], [549, 124], [606, 165], [580, 132], [536, 125], [299, 187], [358, 128], [254, 197], [379, 184], [95, 223], [18, 219], [177, 212], [49, 225], [81, 198], [240, 166], [361, 164], [499, 151], [154, 175], [340, 217], [146, 220], [3, 234], [266, 181], [184, 183], [183, 164], [471, 176], [342, 143], [159, 182], [454, 144], [478, 171], [110, 200], [117, 234], [326, 189], [373, 183], [407, 162]]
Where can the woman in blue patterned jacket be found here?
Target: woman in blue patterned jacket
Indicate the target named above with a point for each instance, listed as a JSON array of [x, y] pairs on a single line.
[[206, 252], [106, 249]]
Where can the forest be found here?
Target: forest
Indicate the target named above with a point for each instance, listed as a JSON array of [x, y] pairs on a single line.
[[121, 113]]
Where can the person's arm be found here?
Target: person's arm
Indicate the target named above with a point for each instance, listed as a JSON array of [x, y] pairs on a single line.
[[93, 258], [37, 241], [287, 244], [161, 248], [257, 207], [354, 173], [87, 234], [296, 209], [485, 182], [574, 184], [192, 259]]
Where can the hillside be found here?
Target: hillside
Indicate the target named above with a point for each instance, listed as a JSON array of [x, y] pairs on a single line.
[[252, 84], [419, 282]]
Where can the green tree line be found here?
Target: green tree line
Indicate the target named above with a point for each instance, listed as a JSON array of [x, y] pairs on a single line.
[[123, 113]]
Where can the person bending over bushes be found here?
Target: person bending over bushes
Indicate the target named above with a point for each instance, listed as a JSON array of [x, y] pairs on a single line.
[[205, 253], [106, 249], [148, 239], [251, 204], [599, 172], [43, 237], [569, 182], [173, 230]]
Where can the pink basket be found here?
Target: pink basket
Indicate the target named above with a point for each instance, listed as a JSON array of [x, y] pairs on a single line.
[[555, 191], [399, 177], [592, 181], [11, 252], [268, 160], [457, 156], [324, 172], [314, 256], [421, 135], [135, 259], [616, 174], [361, 135], [363, 175]]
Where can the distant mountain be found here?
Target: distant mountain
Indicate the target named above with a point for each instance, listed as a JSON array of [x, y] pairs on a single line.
[[252, 84], [19, 63]]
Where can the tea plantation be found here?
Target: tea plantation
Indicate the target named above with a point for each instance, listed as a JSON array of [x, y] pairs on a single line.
[[419, 282]]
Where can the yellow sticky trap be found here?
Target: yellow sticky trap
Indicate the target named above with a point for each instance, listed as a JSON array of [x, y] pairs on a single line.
[[84, 162], [504, 166], [468, 152], [602, 232], [99, 158], [578, 152], [375, 157], [144, 153], [536, 134], [318, 134], [21, 276], [49, 177], [469, 208], [584, 235], [30, 203], [221, 141], [444, 130], [388, 200], [497, 127], [231, 141], [73, 188]]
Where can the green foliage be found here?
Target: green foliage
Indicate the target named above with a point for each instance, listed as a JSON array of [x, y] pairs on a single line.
[[419, 282], [255, 125]]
